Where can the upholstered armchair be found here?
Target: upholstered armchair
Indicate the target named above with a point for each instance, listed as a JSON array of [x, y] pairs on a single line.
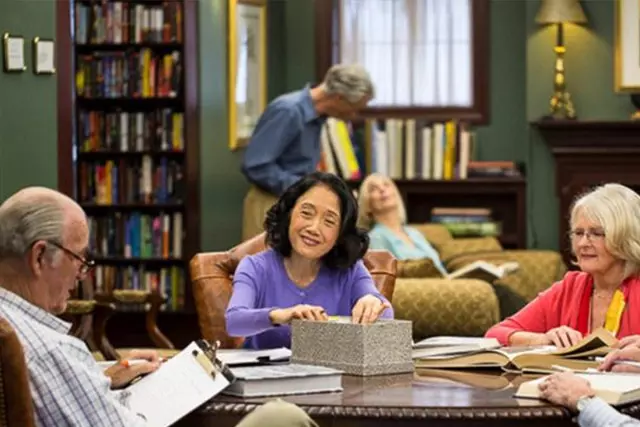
[[538, 270], [212, 274], [16, 406]]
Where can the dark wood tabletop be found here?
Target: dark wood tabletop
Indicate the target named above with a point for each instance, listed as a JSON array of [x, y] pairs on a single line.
[[443, 398]]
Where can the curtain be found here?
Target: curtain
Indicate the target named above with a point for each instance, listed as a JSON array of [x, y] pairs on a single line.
[[418, 52]]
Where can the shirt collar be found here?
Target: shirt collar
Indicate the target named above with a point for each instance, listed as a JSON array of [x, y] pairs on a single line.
[[11, 300], [308, 109]]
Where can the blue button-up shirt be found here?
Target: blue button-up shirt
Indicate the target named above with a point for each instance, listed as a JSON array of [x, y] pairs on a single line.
[[67, 385], [285, 144]]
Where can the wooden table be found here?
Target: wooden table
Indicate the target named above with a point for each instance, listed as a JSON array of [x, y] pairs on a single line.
[[428, 398]]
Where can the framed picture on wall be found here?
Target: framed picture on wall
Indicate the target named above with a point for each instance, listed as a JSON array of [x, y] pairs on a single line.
[[247, 68], [627, 46]]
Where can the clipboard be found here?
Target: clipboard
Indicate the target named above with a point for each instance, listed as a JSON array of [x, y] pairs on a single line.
[[183, 383], [207, 358]]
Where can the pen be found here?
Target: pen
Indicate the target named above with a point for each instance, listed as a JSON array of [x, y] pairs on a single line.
[[561, 368], [621, 362], [127, 363]]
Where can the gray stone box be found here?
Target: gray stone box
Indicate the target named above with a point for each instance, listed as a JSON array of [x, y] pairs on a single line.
[[383, 347]]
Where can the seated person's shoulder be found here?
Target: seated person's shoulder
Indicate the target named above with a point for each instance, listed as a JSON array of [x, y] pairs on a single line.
[[259, 263], [571, 283]]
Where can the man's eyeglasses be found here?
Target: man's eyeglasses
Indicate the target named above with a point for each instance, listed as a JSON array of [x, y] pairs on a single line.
[[87, 264], [592, 235]]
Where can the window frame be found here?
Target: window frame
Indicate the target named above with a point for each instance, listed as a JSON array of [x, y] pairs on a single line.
[[326, 12]]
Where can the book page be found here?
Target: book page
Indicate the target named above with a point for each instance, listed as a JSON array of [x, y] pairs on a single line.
[[178, 387]]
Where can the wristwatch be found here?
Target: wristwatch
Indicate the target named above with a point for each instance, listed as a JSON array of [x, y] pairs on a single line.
[[583, 401]]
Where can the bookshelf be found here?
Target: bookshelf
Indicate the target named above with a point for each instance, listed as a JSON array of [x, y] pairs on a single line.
[[129, 148]]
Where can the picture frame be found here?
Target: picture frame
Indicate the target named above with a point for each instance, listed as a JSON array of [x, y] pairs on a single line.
[[44, 56], [247, 74], [627, 46], [13, 53]]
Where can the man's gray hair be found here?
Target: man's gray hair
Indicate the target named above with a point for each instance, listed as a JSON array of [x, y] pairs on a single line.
[[27, 218], [353, 82]]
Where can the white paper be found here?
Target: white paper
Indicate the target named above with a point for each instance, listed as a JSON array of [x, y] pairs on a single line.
[[235, 357], [45, 56], [178, 387], [15, 53]]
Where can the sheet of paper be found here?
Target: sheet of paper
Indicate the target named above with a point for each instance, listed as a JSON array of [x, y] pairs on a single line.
[[178, 387], [235, 357]]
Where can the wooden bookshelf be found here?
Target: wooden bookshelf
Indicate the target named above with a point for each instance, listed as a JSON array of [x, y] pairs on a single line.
[[129, 148], [505, 197]]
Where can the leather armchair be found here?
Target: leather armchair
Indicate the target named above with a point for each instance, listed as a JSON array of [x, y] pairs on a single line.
[[212, 274], [16, 405]]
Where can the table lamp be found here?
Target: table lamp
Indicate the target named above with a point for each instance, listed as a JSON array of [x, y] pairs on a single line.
[[560, 12]]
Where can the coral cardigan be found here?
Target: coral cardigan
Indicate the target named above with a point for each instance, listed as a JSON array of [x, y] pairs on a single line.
[[559, 306]]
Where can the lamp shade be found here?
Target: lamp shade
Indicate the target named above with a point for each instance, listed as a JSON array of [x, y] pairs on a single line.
[[561, 11]]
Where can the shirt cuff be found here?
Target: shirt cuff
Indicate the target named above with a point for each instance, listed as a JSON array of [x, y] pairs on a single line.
[[598, 413]]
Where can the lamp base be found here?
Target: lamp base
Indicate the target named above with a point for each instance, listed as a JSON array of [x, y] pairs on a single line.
[[561, 107]]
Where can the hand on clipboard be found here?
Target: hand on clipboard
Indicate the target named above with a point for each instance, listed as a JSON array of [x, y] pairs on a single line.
[[186, 381]]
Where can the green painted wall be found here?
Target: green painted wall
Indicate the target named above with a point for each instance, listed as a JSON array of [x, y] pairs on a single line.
[[28, 131]]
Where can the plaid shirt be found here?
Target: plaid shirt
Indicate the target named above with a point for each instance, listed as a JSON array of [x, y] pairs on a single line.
[[67, 385]]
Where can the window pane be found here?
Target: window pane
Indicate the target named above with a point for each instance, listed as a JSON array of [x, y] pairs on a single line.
[[419, 52]]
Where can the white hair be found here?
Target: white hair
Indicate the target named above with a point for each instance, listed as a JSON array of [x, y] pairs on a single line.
[[353, 82], [616, 209], [31, 215]]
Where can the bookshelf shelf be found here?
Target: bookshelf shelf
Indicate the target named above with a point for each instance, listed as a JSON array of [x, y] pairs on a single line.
[[106, 155], [126, 207], [123, 47], [129, 103], [137, 260], [128, 133]]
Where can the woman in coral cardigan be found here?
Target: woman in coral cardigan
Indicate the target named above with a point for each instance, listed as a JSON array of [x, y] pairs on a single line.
[[605, 238]]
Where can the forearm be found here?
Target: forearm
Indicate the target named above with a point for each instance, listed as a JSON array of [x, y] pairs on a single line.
[[523, 338], [597, 413], [246, 322]]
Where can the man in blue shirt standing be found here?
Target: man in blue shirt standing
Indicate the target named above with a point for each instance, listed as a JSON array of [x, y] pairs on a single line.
[[285, 144]]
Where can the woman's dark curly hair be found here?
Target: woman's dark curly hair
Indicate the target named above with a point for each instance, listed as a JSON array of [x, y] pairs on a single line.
[[352, 242]]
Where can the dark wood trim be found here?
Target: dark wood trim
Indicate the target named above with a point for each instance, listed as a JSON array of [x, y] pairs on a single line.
[[478, 114], [192, 134], [65, 78]]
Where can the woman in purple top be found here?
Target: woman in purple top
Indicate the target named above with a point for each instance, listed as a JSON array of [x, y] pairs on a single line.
[[313, 267]]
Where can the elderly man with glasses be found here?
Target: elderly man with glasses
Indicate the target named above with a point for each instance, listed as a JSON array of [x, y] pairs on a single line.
[[44, 238]]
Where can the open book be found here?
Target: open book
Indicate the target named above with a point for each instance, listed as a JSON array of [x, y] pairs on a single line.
[[613, 388], [450, 345], [179, 386], [483, 270], [541, 359]]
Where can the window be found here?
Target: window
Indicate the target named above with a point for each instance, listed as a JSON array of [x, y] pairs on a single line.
[[426, 57]]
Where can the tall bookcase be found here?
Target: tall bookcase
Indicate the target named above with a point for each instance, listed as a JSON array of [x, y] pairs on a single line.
[[129, 147]]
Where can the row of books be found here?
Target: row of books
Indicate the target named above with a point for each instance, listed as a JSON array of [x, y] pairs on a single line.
[[466, 222], [135, 235], [125, 22], [160, 130], [168, 281], [145, 180], [400, 149], [142, 74]]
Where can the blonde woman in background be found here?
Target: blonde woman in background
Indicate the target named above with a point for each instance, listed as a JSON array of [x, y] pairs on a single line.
[[383, 215]]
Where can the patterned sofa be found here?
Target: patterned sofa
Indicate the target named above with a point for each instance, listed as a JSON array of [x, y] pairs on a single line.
[[439, 306]]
